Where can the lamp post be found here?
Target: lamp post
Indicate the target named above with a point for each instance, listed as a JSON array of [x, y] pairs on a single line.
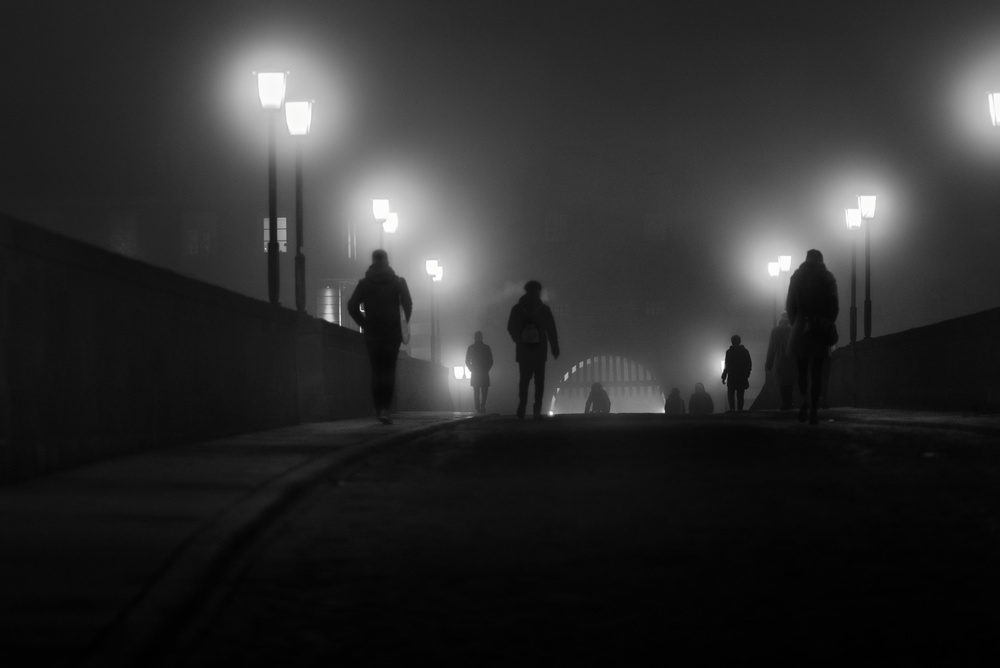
[[436, 272], [853, 223], [298, 117], [773, 270], [380, 209], [271, 90], [866, 204]]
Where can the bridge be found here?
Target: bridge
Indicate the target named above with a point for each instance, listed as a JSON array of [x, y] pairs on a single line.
[[487, 538]]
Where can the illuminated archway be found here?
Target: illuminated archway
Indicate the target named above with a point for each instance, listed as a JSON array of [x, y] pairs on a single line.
[[633, 388]]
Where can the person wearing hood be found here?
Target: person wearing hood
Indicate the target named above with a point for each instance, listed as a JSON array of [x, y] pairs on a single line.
[[812, 306], [700, 402], [598, 401], [381, 293], [737, 370], [533, 329], [674, 405]]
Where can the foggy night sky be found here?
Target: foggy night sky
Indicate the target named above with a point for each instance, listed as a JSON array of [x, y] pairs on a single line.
[[746, 128]]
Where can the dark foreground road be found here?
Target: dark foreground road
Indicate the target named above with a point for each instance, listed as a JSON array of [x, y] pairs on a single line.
[[628, 540]]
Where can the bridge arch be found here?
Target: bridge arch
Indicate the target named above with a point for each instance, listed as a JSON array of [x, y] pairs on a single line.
[[632, 386]]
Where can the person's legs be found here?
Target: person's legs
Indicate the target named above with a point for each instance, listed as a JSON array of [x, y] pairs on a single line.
[[731, 395], [476, 397], [739, 398], [816, 387], [383, 355], [803, 372], [539, 387], [482, 402], [525, 369]]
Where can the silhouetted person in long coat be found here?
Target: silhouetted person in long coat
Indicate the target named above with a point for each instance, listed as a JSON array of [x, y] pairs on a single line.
[[700, 402], [598, 401], [381, 292], [737, 371], [674, 405], [780, 361], [533, 329], [812, 307], [479, 359]]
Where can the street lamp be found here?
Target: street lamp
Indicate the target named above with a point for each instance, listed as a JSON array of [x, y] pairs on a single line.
[[436, 272], [994, 99], [271, 90], [866, 205], [380, 209], [298, 117], [853, 223], [773, 270]]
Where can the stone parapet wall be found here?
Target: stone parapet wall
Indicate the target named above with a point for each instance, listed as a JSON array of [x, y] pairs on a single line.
[[101, 355]]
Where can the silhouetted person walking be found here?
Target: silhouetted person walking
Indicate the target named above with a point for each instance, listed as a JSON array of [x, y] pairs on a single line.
[[598, 401], [700, 402], [812, 307], [381, 292], [533, 329], [737, 370], [780, 361], [674, 405], [479, 359]]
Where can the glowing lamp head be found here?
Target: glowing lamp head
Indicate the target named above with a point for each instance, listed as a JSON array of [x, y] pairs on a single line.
[[459, 371], [298, 117], [439, 274], [431, 266], [773, 268], [785, 262], [271, 89], [853, 218], [866, 203], [380, 209], [391, 223], [994, 108]]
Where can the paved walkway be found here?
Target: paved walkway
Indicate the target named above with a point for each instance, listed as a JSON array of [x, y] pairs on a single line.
[[94, 560]]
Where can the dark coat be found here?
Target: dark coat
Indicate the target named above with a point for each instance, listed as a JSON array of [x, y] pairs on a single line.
[[738, 367], [674, 405], [382, 293], [812, 308], [531, 309], [779, 357], [479, 359], [598, 402], [701, 403]]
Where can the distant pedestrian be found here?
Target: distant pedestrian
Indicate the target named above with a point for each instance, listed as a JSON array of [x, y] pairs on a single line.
[[598, 401], [674, 405], [533, 330], [381, 292], [737, 370], [812, 307], [780, 361], [700, 402], [479, 359]]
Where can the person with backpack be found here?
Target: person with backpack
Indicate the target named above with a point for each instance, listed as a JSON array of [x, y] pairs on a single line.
[[382, 293], [533, 330]]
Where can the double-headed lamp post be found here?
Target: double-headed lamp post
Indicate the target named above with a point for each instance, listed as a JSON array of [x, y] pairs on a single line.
[[773, 270], [298, 117], [866, 205], [436, 272], [271, 90], [853, 223]]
